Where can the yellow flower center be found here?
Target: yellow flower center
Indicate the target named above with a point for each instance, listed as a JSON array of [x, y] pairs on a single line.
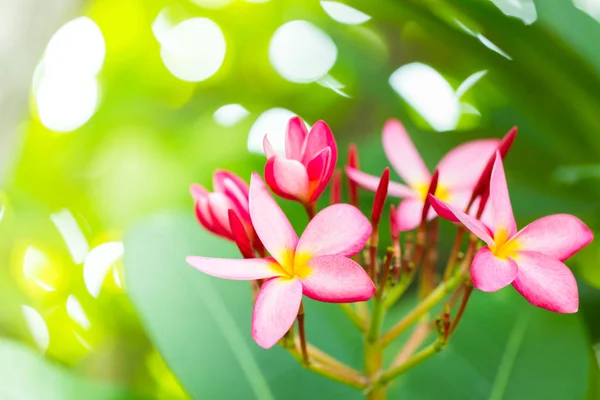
[[294, 265], [502, 247], [441, 192]]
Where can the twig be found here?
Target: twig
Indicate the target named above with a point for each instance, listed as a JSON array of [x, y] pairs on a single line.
[[428, 303], [302, 332]]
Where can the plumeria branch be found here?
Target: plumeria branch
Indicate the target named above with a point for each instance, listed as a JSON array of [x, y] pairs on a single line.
[[338, 259]]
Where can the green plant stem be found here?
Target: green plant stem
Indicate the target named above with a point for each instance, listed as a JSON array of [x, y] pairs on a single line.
[[374, 369], [427, 304], [377, 315], [354, 317], [461, 308], [415, 360], [311, 210], [417, 337], [351, 379], [325, 359], [302, 332], [397, 291], [453, 258]]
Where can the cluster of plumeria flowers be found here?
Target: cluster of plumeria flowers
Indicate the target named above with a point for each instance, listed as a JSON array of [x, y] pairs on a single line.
[[337, 258]]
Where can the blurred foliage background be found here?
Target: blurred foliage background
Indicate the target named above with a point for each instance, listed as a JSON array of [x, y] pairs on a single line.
[[130, 101]]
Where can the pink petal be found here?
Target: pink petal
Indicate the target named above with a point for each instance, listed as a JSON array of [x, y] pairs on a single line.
[[337, 279], [275, 310], [558, 236], [294, 138], [502, 214], [462, 166], [371, 182], [269, 178], [220, 177], [340, 229], [319, 170], [218, 206], [236, 269], [451, 213], [409, 214], [290, 177], [318, 138], [198, 191], [204, 216], [270, 223], [268, 148], [403, 155], [491, 273], [461, 201], [546, 282], [237, 197]]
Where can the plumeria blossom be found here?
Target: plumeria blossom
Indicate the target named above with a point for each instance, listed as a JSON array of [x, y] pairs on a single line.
[[530, 259], [230, 193], [308, 164], [459, 171], [316, 264]]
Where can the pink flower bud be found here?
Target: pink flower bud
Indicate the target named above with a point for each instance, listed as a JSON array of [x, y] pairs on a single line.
[[212, 208], [308, 164]]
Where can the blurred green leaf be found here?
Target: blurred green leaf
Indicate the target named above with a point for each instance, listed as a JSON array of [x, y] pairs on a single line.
[[26, 375]]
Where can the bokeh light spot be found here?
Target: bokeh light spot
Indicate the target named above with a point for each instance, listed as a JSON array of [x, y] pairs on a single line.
[[64, 84], [230, 114], [98, 263], [212, 3], [492, 46], [272, 123], [76, 313], [590, 7], [66, 104], [71, 234], [36, 265], [76, 49], [37, 327], [426, 90], [194, 49], [302, 53], [344, 14], [521, 9], [469, 83]]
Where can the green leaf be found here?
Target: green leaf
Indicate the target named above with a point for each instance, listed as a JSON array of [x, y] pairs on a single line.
[[506, 349], [26, 375], [201, 324]]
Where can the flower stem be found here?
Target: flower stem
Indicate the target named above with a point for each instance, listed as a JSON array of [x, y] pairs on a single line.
[[302, 332], [353, 316], [418, 358], [453, 258], [461, 309], [397, 291], [374, 369], [346, 376], [418, 335], [311, 210], [427, 304]]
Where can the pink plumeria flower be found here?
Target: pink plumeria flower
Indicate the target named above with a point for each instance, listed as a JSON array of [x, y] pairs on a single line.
[[459, 171], [309, 161], [230, 192], [316, 265], [530, 259]]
